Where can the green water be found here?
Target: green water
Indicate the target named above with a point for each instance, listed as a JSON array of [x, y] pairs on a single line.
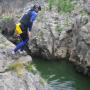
[[62, 76]]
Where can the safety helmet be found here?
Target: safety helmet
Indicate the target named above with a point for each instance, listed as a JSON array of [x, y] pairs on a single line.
[[37, 6]]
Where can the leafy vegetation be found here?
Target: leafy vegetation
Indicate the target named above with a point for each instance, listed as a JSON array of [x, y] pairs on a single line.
[[32, 68], [7, 19], [61, 5], [42, 82], [18, 67], [51, 2], [59, 29]]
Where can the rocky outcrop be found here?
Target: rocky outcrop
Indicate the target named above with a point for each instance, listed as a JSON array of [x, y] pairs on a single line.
[[51, 41], [73, 42], [87, 5], [14, 74], [46, 40], [11, 7], [7, 26], [80, 39]]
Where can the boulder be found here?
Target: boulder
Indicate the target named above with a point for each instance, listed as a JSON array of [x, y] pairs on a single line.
[[13, 70]]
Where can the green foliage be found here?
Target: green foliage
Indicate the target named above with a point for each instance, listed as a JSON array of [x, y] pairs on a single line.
[[51, 2], [59, 29], [67, 22], [7, 19], [32, 68], [58, 5], [65, 5], [83, 13], [15, 65], [61, 5], [18, 67], [42, 82]]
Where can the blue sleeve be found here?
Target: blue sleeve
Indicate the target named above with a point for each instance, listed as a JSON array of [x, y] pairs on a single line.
[[30, 26], [33, 16], [32, 19]]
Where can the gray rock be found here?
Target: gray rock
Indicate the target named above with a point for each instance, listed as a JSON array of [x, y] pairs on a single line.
[[13, 72], [7, 25], [80, 42], [87, 5]]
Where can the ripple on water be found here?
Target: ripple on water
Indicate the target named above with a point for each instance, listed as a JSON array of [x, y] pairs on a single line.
[[62, 76], [59, 85]]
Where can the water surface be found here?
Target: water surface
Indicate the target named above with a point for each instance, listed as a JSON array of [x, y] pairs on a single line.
[[62, 75]]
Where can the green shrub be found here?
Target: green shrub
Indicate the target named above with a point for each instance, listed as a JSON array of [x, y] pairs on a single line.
[[59, 29], [32, 68], [7, 19], [51, 2], [42, 82], [18, 67], [61, 5], [66, 5]]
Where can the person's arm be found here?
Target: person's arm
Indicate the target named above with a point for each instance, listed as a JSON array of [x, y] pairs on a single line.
[[29, 34], [32, 19], [33, 16], [29, 30]]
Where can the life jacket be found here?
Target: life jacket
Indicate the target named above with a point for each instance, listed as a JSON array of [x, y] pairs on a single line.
[[18, 29], [26, 17], [23, 22]]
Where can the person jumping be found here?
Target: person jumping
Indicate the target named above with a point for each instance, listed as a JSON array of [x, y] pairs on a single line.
[[24, 27]]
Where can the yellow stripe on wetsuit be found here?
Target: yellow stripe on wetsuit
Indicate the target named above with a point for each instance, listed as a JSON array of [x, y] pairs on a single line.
[[18, 28]]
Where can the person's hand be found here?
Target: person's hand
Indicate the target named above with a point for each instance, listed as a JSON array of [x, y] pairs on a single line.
[[17, 35], [29, 35]]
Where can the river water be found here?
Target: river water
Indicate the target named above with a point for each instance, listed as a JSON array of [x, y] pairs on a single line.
[[62, 75]]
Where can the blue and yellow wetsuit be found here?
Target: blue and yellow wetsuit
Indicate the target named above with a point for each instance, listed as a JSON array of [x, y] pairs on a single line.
[[25, 25]]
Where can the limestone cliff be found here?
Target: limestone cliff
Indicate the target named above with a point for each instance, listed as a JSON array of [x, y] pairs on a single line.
[[14, 74]]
